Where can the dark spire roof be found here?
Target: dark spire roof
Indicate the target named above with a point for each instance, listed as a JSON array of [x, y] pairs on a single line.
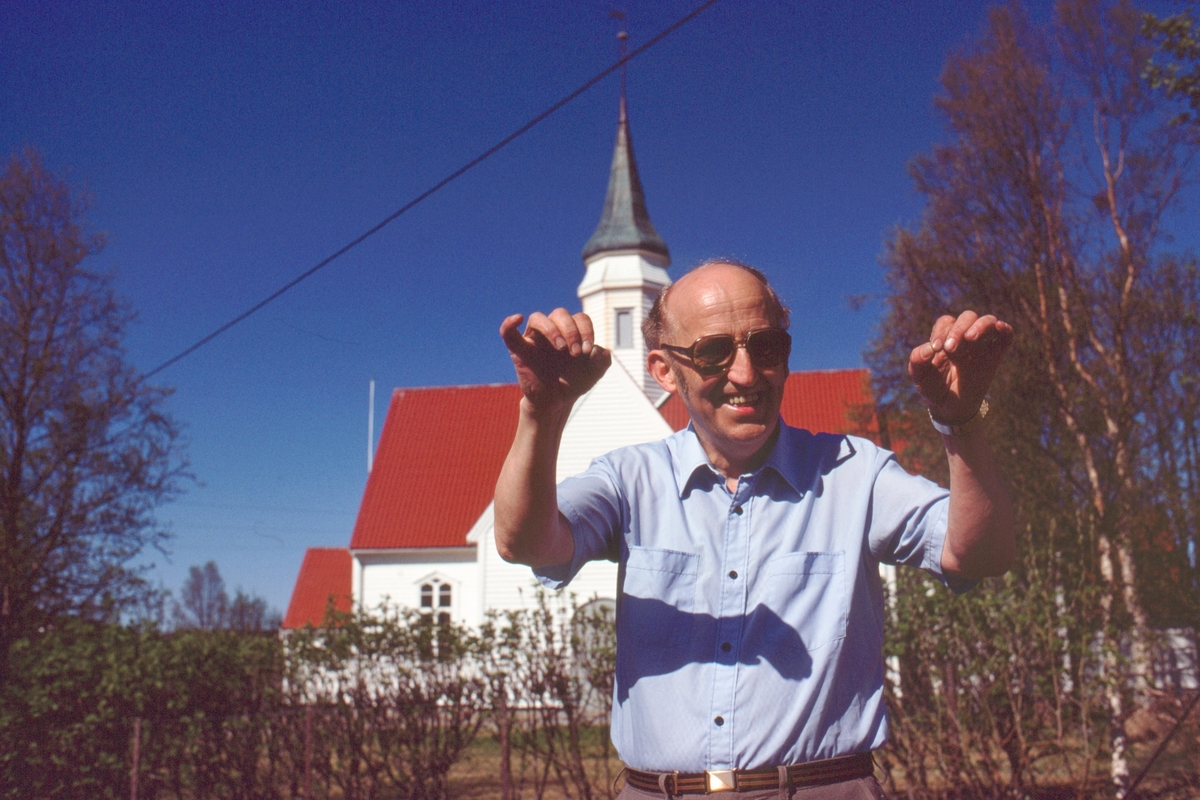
[[625, 223]]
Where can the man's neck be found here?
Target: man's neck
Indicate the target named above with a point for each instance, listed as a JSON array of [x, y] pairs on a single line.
[[733, 468]]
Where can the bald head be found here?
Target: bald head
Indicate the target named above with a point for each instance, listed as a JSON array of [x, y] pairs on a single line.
[[709, 279]]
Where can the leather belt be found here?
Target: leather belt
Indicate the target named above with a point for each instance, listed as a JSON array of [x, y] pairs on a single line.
[[812, 773]]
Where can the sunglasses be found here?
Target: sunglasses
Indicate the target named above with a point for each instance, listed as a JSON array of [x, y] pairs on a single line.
[[713, 355]]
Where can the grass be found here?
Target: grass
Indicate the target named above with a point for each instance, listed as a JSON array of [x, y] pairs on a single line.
[[477, 774]]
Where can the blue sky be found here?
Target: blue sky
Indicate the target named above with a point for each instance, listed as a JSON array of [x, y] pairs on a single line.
[[228, 147]]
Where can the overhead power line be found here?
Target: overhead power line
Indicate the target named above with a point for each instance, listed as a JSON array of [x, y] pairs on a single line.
[[658, 37]]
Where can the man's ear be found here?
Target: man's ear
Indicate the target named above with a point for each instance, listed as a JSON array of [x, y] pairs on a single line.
[[660, 370]]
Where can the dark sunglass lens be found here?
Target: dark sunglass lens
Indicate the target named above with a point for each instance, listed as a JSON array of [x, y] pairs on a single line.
[[712, 351], [769, 348]]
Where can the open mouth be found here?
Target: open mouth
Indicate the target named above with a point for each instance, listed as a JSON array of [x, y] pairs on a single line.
[[743, 400]]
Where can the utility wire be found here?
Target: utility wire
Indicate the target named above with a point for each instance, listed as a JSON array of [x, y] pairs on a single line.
[[419, 198]]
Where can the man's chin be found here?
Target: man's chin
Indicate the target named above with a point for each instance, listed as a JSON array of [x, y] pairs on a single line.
[[752, 430]]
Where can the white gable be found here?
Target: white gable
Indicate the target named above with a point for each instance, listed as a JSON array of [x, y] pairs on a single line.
[[616, 413]]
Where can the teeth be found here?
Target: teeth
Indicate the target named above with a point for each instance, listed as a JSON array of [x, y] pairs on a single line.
[[742, 399]]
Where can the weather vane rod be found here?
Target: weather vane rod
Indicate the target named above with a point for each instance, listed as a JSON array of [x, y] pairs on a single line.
[[622, 37]]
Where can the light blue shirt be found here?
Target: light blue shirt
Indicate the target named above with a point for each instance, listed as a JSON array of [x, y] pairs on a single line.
[[750, 624]]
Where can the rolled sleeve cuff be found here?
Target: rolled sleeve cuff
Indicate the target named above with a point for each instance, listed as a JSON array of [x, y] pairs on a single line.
[[932, 562], [557, 576]]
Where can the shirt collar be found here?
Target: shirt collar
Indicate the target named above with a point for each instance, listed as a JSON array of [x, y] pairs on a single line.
[[793, 457], [689, 458], [797, 454]]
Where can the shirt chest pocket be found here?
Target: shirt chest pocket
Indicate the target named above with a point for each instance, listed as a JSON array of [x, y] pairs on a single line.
[[808, 593], [659, 596]]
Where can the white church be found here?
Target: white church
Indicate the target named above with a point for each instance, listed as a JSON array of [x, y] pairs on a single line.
[[423, 537]]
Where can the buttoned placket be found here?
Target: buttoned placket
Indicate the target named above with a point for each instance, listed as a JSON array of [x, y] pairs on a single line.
[[731, 614]]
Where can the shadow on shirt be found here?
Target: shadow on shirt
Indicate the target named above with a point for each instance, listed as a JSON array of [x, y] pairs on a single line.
[[668, 639]]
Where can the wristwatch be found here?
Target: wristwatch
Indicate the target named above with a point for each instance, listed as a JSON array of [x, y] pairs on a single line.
[[962, 428]]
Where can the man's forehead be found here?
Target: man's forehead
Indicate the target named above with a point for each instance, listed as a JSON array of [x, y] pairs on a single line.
[[713, 288]]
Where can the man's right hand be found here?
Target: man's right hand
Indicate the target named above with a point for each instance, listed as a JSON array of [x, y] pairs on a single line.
[[556, 359]]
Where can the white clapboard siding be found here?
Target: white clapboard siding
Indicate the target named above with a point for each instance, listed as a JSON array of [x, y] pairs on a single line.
[[395, 577], [616, 413]]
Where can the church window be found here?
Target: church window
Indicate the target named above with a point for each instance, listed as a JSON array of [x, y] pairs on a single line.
[[436, 620], [437, 595], [624, 329]]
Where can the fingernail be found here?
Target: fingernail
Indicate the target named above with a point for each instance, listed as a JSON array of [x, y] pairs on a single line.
[[576, 349], [560, 343], [950, 343], [587, 346]]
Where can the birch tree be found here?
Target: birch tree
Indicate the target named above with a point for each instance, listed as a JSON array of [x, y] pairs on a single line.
[[1046, 206]]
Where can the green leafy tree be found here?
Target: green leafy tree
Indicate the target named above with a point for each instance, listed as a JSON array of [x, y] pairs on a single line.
[[87, 450], [205, 706], [1176, 67]]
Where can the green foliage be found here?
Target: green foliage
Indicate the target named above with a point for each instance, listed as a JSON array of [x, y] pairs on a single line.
[[373, 704], [67, 715], [1176, 67]]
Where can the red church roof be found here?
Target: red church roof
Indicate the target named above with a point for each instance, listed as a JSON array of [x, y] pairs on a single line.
[[324, 574], [441, 451], [435, 472], [829, 401]]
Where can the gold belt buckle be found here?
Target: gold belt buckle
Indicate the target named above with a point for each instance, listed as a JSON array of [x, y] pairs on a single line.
[[721, 780]]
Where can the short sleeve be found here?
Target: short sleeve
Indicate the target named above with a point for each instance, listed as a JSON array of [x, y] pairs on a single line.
[[593, 505], [909, 522]]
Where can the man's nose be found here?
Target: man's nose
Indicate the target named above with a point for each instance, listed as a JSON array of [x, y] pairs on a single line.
[[742, 371]]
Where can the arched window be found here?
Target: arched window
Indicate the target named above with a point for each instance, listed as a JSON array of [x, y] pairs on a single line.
[[437, 595], [436, 605]]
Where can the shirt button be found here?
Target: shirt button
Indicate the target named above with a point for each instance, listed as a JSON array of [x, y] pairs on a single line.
[[726, 646], [719, 720], [737, 510], [733, 574]]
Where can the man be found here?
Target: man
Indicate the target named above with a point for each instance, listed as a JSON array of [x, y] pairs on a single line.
[[750, 610]]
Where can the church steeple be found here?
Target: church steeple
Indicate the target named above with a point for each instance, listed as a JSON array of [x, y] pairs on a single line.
[[626, 264], [625, 224]]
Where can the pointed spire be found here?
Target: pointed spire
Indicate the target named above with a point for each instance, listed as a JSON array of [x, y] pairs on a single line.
[[625, 223]]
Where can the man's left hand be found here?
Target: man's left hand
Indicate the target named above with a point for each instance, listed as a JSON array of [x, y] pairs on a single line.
[[954, 369]]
